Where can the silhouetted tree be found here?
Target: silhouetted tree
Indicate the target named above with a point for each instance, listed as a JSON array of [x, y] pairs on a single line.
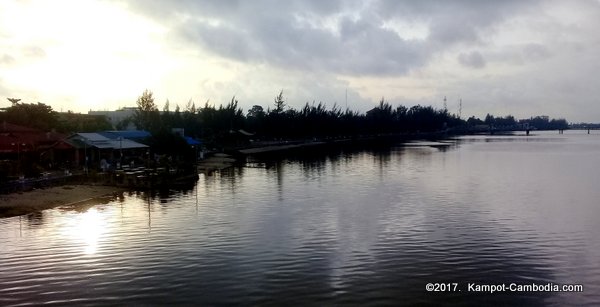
[[473, 121], [73, 122], [38, 115], [279, 103], [14, 100], [256, 111], [146, 116]]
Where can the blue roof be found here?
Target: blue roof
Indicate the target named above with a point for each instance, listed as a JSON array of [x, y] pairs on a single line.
[[127, 134], [191, 141]]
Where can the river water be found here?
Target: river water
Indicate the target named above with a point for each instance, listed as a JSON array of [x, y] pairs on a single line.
[[331, 227]]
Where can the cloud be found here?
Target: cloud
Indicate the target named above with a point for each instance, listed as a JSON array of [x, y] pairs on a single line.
[[258, 85], [500, 56], [342, 37], [473, 59], [360, 47], [6, 59]]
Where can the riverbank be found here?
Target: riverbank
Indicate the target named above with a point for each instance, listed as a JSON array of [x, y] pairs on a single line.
[[217, 162], [41, 199]]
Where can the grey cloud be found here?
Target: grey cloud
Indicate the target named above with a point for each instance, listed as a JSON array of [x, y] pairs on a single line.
[[534, 52], [473, 59], [458, 21], [259, 86], [289, 36], [268, 32], [361, 48], [520, 54]]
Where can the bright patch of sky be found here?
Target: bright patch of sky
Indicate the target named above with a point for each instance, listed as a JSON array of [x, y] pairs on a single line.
[[523, 58]]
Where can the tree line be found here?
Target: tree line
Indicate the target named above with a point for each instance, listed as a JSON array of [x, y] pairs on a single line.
[[222, 124], [42, 117], [510, 123], [217, 125]]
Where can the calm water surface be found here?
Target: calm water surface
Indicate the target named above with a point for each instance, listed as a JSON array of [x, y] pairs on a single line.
[[362, 227]]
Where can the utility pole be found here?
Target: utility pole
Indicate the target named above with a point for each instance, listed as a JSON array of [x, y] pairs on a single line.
[[460, 108], [346, 98], [445, 106]]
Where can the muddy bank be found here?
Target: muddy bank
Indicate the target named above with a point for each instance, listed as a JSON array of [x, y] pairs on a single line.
[[41, 199]]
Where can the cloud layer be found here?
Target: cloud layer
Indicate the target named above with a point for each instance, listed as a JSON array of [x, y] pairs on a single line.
[[343, 37], [506, 57]]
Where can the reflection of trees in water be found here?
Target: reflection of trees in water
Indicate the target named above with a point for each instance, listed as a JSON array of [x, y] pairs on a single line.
[[173, 192], [276, 167], [230, 177], [36, 218], [315, 161]]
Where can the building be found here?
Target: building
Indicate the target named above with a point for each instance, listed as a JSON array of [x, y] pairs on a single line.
[[26, 151], [93, 148], [16, 141], [118, 117]]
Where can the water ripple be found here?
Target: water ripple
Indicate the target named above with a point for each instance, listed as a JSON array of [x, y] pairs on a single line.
[[356, 227]]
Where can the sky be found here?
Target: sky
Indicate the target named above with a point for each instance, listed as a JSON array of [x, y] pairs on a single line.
[[512, 57]]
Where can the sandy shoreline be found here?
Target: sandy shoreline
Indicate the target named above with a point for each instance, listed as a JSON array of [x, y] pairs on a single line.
[[27, 202]]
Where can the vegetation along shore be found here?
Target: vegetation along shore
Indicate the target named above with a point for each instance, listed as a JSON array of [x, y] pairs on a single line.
[[152, 147]]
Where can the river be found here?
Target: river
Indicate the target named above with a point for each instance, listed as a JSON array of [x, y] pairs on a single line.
[[342, 226]]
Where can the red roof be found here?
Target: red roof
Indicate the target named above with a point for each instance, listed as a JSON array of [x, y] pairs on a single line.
[[16, 138], [8, 127]]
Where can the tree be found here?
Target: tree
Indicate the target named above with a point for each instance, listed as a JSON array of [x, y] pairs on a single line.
[[473, 121], [147, 115], [38, 115], [146, 103], [489, 119], [190, 107], [256, 112], [279, 103], [14, 101], [73, 122]]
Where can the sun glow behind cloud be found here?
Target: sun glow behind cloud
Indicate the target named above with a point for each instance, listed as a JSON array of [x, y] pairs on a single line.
[[520, 57], [90, 51]]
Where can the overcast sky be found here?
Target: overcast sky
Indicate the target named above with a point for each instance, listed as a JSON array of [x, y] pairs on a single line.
[[514, 57]]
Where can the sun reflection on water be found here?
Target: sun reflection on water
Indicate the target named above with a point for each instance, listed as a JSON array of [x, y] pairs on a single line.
[[88, 229]]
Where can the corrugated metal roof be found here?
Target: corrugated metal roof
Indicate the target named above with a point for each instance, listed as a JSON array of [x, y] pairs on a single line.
[[128, 134], [126, 144], [93, 137], [99, 141]]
